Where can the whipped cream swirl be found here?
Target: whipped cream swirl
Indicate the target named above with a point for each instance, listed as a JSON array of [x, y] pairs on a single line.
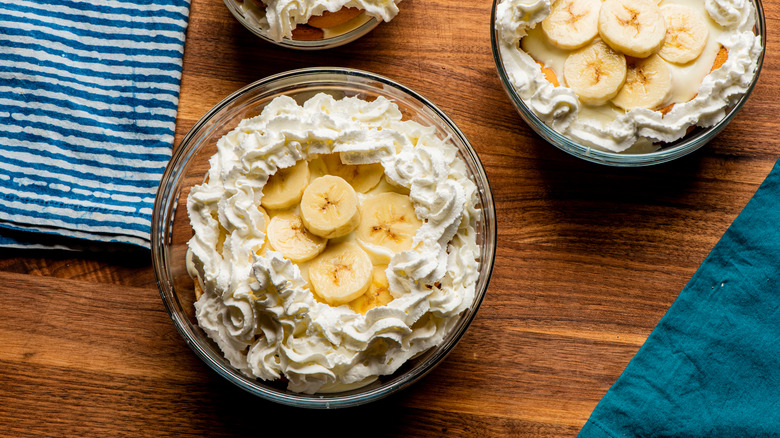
[[278, 18], [258, 308], [559, 107]]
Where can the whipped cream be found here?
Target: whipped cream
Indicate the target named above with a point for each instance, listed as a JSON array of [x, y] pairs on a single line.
[[279, 17], [258, 309], [639, 130]]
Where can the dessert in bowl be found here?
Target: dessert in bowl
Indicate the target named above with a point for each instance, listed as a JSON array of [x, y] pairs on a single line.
[[323, 237], [624, 82], [311, 24]]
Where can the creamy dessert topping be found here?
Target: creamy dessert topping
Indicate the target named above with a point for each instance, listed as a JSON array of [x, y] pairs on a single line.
[[333, 241], [628, 75], [314, 19]]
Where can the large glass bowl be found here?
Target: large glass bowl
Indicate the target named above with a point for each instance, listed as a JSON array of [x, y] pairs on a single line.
[[349, 32], [171, 227], [691, 142]]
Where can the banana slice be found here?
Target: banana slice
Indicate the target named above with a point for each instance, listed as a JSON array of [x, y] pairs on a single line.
[[595, 73], [720, 58], [287, 235], [317, 167], [285, 187], [304, 32], [362, 177], [330, 19], [572, 23], [378, 293], [266, 221], [341, 274], [549, 74], [388, 220], [648, 83], [199, 290], [220, 246], [686, 34], [633, 27], [329, 207]]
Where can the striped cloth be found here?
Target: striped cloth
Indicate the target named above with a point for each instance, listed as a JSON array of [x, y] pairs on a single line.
[[88, 97]]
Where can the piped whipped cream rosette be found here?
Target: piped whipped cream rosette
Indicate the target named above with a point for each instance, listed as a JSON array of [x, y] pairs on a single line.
[[279, 18], [628, 75], [411, 256]]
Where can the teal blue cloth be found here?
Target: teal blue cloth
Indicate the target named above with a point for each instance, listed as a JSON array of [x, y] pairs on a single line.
[[711, 367]]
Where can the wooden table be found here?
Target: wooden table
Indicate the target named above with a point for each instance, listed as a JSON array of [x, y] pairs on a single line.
[[589, 258]]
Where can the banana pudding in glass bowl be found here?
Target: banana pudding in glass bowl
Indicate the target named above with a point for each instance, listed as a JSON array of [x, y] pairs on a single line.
[[311, 24], [323, 237], [628, 82]]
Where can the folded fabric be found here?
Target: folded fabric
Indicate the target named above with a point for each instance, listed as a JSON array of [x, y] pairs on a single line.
[[711, 367], [88, 99]]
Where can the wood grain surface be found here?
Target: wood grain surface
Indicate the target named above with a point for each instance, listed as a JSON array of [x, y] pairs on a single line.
[[588, 260]]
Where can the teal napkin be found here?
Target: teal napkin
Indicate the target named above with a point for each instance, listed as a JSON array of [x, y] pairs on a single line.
[[711, 367]]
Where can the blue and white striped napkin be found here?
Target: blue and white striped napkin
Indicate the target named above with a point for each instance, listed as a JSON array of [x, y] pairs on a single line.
[[88, 97]]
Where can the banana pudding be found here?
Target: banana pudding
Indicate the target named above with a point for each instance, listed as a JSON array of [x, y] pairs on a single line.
[[628, 76], [314, 19], [333, 241]]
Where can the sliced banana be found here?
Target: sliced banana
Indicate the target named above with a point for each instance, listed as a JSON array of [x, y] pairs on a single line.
[[220, 246], [572, 23], [329, 207], [648, 84], [388, 220], [378, 293], [330, 19], [549, 74], [341, 274], [199, 289], [362, 177], [287, 235], [720, 58], [304, 32], [266, 221], [595, 73], [632, 27], [686, 34], [317, 167], [285, 187], [266, 218]]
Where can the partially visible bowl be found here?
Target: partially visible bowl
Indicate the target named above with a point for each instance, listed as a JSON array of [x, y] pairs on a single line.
[[171, 228], [693, 140], [245, 12]]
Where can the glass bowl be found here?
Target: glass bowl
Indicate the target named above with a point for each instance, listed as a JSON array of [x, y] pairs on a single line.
[[343, 34], [171, 227], [695, 139]]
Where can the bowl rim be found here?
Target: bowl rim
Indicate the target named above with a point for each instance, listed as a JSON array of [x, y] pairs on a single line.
[[163, 213], [325, 43], [691, 143]]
